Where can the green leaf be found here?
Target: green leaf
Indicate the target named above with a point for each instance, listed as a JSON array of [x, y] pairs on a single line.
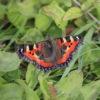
[[91, 91], [31, 76], [64, 3], [72, 13], [96, 54], [2, 73], [89, 55], [26, 8], [54, 31], [30, 94], [88, 36], [32, 35], [66, 86], [95, 68], [8, 61], [11, 92], [54, 11], [15, 16], [42, 22], [44, 86], [12, 75], [87, 4], [79, 22], [67, 3], [44, 2], [2, 11], [19, 12], [7, 34], [97, 6], [84, 28], [2, 81]]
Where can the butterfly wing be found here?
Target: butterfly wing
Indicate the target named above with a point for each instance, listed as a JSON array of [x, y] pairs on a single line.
[[34, 53]]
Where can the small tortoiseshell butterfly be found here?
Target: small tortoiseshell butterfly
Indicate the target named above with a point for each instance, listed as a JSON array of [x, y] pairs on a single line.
[[49, 54]]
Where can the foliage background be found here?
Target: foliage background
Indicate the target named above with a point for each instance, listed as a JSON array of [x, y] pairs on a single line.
[[29, 21]]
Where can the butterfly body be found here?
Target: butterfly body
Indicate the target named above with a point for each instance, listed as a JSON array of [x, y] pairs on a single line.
[[50, 54]]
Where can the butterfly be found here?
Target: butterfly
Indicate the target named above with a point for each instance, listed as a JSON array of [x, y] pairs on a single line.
[[51, 53]]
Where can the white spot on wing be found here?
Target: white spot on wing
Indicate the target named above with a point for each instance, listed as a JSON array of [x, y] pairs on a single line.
[[77, 37], [67, 49], [34, 46], [21, 50], [27, 48], [71, 38], [64, 40]]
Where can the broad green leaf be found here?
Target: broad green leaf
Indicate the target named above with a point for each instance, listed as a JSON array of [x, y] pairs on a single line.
[[84, 28], [67, 85], [8, 61], [97, 6], [95, 68], [26, 7], [88, 36], [90, 54], [79, 22], [44, 2], [31, 76], [14, 16], [64, 3], [2, 11], [42, 22], [73, 81], [72, 13], [91, 91], [19, 12], [44, 86], [2, 81], [74, 95], [96, 54], [32, 35], [2, 73], [54, 11], [29, 94], [54, 31], [87, 4], [11, 91], [7, 34], [12, 75], [67, 3]]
